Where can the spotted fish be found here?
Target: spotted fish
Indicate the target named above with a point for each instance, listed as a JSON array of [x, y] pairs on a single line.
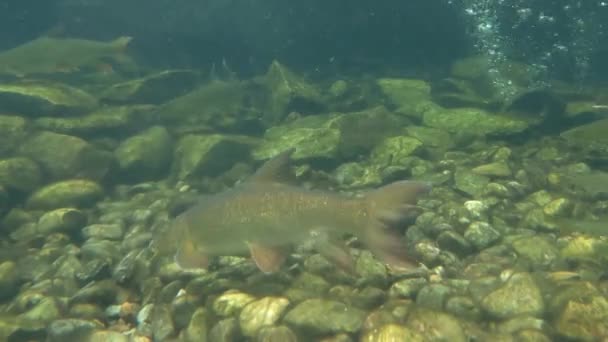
[[267, 214]]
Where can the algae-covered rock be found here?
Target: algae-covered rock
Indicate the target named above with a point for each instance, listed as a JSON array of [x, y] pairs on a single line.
[[357, 175], [146, 155], [289, 92], [13, 130], [312, 137], [404, 93], [154, 89], [9, 279], [227, 106], [430, 137], [62, 220], [436, 325], [348, 96], [109, 120], [37, 98], [77, 193], [64, 156], [338, 135], [210, 155], [473, 121], [394, 151], [518, 295], [260, 313], [392, 332], [469, 182], [591, 139], [584, 319], [321, 316], [20, 174], [492, 79], [537, 249]]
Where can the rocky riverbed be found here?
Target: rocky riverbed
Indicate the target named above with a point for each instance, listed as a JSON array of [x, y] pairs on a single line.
[[512, 241]]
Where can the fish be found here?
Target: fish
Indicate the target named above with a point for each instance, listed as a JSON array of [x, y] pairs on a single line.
[[268, 214], [49, 55]]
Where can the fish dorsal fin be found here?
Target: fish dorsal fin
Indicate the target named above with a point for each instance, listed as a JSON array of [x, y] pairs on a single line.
[[275, 170]]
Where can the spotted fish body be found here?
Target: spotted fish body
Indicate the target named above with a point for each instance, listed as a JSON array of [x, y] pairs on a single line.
[[266, 215]]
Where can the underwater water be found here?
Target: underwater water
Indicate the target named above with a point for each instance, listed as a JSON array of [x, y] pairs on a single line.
[[313, 171]]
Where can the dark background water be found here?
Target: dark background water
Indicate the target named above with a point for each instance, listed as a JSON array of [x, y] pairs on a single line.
[[342, 35]]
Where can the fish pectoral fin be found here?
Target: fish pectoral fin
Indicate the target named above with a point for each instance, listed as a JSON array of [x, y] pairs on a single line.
[[189, 257], [268, 259]]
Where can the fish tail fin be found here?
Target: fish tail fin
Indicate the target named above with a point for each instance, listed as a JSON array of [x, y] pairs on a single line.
[[389, 207], [120, 44]]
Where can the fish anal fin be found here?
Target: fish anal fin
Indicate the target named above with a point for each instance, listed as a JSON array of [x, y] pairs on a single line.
[[189, 257], [268, 259], [388, 246], [276, 169]]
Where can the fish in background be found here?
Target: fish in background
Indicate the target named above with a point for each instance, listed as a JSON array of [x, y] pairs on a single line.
[[50, 55], [267, 215]]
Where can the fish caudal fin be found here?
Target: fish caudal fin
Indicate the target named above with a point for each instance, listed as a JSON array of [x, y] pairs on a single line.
[[269, 259], [390, 207]]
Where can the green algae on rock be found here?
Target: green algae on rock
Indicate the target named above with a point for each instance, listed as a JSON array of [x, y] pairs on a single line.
[[37, 98], [518, 295], [473, 122], [13, 130], [20, 174], [76, 193], [336, 136], [404, 93], [146, 155], [321, 316], [64, 156]]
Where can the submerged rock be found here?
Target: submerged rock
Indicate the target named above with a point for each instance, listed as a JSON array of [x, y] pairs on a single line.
[[392, 332], [519, 295], [146, 155], [405, 93], [37, 98], [473, 122], [13, 130], [76, 193], [64, 156], [320, 316], [590, 139], [20, 174], [336, 136], [63, 220], [260, 313]]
